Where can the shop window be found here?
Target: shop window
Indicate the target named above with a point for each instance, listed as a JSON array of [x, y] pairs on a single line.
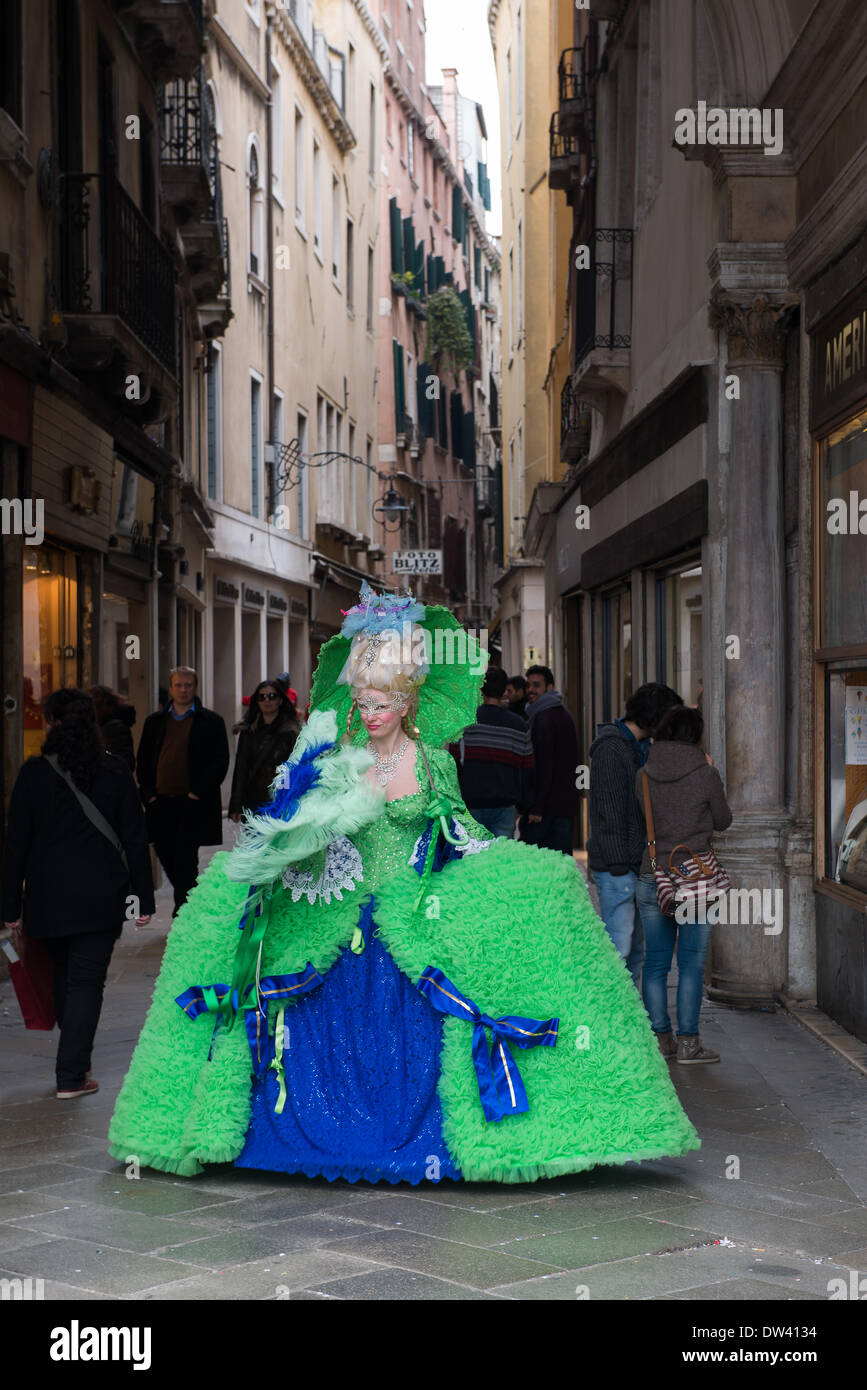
[[616, 651], [842, 530], [132, 511], [841, 668], [678, 633], [51, 633]]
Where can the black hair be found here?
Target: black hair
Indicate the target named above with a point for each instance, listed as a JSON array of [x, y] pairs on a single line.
[[285, 709], [544, 671], [519, 683], [649, 703], [74, 738], [495, 682], [680, 725]]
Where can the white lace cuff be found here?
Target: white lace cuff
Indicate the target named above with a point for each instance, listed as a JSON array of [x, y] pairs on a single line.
[[343, 871]]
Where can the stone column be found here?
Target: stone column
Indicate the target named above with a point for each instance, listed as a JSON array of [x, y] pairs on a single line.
[[748, 961]]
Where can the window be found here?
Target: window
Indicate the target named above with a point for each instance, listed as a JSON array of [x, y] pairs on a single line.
[[350, 265], [410, 148], [678, 632], [352, 488], [616, 650], [317, 199], [508, 101], [300, 192], [519, 316], [214, 420], [302, 491], [411, 387], [371, 134], [399, 387], [277, 437], [370, 475], [841, 661], [10, 60], [511, 299], [276, 133], [254, 211], [519, 66], [350, 83], [336, 227], [370, 282], [513, 495], [255, 446]]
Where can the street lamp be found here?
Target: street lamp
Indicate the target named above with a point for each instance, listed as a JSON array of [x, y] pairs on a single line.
[[392, 509]]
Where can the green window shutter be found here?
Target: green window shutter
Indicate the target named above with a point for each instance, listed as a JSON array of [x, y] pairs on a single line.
[[458, 221], [396, 237], [477, 265], [418, 267], [425, 406], [408, 244], [468, 454], [399, 386]]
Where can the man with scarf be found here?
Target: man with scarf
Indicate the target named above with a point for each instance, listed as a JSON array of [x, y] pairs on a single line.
[[617, 831], [555, 748]]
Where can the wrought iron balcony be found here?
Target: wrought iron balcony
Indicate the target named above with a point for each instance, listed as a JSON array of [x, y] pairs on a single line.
[[564, 167], [188, 147], [169, 34], [573, 86], [117, 278], [604, 318], [575, 425]]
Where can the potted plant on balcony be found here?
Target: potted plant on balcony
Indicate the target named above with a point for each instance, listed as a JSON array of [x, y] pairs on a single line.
[[448, 338], [402, 281]]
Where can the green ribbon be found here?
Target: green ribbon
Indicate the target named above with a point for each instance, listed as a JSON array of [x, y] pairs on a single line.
[[277, 1061], [438, 808], [244, 968], [356, 945]]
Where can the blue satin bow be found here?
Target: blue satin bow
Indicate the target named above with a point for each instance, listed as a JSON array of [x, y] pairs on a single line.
[[501, 1089], [201, 999]]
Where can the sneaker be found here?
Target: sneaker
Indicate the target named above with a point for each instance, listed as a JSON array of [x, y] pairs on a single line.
[[690, 1049], [667, 1045], [87, 1088]]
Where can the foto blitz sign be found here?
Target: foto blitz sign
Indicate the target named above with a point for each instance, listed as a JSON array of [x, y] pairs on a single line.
[[417, 562], [840, 360]]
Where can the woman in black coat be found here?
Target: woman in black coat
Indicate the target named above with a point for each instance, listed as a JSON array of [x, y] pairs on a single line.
[[266, 737], [72, 882]]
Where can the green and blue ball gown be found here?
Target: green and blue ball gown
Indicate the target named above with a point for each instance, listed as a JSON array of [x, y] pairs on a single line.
[[394, 1006]]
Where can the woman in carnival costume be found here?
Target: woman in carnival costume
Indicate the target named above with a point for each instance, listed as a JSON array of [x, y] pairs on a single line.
[[371, 987]]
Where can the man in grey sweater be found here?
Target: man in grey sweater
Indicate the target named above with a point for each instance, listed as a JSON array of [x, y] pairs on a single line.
[[617, 833]]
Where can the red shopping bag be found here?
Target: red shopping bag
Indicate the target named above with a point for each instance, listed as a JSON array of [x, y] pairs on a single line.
[[30, 971]]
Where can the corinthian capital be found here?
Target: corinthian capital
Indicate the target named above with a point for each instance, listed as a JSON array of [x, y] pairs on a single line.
[[755, 326]]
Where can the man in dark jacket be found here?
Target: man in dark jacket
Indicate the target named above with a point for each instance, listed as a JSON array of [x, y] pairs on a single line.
[[617, 833], [495, 760], [555, 747], [182, 760]]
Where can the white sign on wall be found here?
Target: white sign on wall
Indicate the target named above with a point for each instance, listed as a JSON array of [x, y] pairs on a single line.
[[417, 562]]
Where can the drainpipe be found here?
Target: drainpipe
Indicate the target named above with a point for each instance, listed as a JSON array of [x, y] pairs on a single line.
[[269, 232]]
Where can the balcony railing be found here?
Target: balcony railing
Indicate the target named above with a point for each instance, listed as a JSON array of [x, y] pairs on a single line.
[[570, 72], [575, 425], [604, 317], [186, 128], [113, 262], [564, 156]]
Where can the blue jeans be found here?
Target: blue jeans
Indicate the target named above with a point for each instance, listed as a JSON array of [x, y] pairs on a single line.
[[692, 943], [500, 820], [622, 922]]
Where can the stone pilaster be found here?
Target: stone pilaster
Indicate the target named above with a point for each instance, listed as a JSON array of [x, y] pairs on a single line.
[[749, 962]]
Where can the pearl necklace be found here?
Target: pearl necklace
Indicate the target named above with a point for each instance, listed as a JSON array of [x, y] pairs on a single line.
[[387, 767]]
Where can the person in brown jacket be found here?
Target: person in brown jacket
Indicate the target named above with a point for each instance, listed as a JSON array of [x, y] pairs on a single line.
[[688, 804]]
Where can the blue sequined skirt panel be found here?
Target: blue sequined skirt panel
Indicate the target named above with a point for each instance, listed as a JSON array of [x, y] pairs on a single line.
[[362, 1060]]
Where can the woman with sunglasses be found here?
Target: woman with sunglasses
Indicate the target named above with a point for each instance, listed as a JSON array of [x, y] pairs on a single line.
[[266, 737]]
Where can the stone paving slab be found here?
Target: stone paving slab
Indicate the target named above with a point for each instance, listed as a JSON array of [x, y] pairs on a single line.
[[787, 1108]]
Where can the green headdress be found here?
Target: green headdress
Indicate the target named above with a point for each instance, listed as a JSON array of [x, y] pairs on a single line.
[[446, 664]]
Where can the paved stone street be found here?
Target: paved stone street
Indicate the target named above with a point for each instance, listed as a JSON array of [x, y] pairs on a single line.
[[781, 1105]]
